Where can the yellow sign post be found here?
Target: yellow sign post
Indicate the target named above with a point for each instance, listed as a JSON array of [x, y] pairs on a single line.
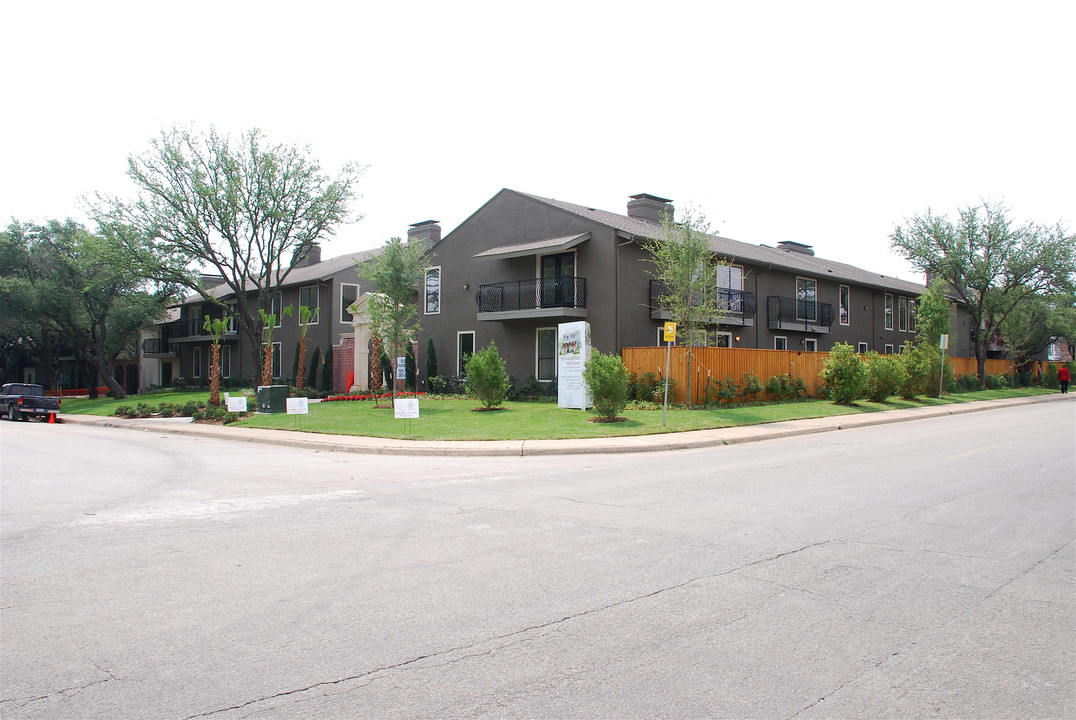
[[670, 332], [670, 338]]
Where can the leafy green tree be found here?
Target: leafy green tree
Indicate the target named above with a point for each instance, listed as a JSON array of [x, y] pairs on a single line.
[[315, 360], [431, 360], [245, 209], [1036, 323], [933, 314], [84, 289], [410, 367], [487, 376], [991, 264], [686, 268], [607, 379], [397, 270], [845, 374]]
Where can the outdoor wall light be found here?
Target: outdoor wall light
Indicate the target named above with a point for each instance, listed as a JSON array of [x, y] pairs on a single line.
[[466, 286], [737, 338]]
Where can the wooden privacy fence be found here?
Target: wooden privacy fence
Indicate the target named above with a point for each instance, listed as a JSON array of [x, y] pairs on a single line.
[[718, 363]]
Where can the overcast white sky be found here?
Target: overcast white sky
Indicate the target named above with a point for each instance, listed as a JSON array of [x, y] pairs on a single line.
[[826, 123]]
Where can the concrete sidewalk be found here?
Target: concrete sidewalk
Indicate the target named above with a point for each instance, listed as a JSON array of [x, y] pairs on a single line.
[[637, 443]]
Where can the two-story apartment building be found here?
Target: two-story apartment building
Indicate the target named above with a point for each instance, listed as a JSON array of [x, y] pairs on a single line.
[[179, 348], [521, 264]]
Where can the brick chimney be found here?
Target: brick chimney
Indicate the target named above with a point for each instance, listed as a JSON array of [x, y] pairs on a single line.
[[427, 230], [650, 208]]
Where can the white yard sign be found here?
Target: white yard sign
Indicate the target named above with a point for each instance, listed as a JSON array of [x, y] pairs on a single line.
[[298, 406], [406, 408], [236, 404], [573, 352]]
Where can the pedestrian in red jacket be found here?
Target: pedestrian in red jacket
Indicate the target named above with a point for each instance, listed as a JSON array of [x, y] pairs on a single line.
[[1063, 377]]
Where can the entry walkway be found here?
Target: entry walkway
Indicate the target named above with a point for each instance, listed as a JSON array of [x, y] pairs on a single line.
[[637, 443]]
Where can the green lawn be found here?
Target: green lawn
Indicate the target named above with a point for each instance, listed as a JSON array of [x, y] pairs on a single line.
[[451, 418]]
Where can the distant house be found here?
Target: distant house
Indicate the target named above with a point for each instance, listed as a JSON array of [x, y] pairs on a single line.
[[521, 264]]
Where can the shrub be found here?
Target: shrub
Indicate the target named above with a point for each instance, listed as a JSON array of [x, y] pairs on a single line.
[[997, 382], [529, 389], [750, 385], [1049, 376], [487, 377], [844, 373], [786, 387], [642, 386], [916, 366], [607, 379], [883, 376], [658, 394], [967, 383], [436, 384]]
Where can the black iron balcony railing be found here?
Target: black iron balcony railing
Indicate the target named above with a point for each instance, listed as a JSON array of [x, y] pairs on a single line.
[[792, 314], [555, 292], [730, 303], [158, 346]]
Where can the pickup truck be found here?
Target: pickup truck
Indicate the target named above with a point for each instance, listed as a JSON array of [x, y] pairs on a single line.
[[20, 401]]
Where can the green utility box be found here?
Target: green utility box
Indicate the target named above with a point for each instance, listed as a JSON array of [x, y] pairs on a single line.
[[272, 398]]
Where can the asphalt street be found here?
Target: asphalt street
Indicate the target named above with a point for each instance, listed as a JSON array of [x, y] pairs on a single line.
[[919, 569]]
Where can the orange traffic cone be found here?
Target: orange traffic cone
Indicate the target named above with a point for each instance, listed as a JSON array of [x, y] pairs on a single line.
[[52, 418]]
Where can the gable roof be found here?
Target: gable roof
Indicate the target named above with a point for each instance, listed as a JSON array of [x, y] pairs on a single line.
[[303, 275], [737, 251]]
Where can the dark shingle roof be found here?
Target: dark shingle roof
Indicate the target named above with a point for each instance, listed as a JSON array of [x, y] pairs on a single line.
[[737, 251]]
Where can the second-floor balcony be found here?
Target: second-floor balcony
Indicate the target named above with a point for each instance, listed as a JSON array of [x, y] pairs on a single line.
[[735, 307], [561, 296], [158, 347], [784, 313]]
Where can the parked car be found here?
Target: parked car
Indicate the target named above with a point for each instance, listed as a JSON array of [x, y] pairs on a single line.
[[20, 401]]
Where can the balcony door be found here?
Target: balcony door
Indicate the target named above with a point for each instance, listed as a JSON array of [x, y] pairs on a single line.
[[806, 299], [558, 280]]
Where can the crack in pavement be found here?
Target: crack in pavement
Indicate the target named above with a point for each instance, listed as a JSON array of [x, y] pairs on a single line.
[[62, 692], [406, 664]]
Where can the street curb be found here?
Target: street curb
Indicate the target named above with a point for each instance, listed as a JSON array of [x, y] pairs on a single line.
[[690, 440]]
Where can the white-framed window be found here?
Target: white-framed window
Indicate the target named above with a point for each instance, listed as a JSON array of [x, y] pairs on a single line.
[[277, 307], [810, 345], [546, 350], [195, 320], [845, 304], [276, 359], [232, 310], [724, 339], [780, 342], [888, 349], [888, 312], [433, 290], [196, 362], [464, 349], [349, 295], [806, 299], [911, 315], [862, 349], [226, 361], [311, 298], [902, 314], [903, 349]]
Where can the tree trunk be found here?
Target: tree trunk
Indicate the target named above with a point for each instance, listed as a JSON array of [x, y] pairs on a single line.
[[214, 374], [375, 364], [300, 365], [267, 364]]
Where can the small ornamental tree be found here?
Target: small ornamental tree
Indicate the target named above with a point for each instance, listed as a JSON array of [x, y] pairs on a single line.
[[306, 317], [327, 371], [216, 329], [312, 374], [431, 360], [845, 374], [268, 326], [487, 376], [607, 379]]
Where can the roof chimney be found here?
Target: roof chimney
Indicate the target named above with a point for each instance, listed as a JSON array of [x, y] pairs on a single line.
[[650, 208], [795, 247], [427, 230], [307, 255]]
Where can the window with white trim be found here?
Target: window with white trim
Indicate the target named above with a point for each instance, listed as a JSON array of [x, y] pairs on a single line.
[[888, 349], [845, 303], [349, 295], [810, 345], [903, 349], [806, 299], [888, 312], [276, 359], [433, 290], [902, 314], [546, 350], [464, 349], [311, 298], [277, 307], [724, 339], [911, 315], [780, 342], [861, 348]]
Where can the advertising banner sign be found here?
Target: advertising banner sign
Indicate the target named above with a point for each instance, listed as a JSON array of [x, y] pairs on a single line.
[[298, 406], [573, 352]]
